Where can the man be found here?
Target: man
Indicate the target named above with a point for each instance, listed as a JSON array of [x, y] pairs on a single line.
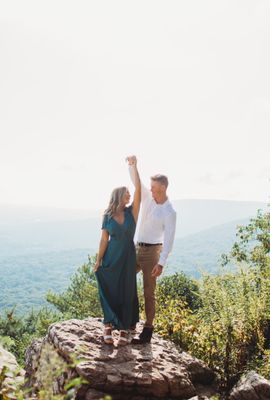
[[155, 240]]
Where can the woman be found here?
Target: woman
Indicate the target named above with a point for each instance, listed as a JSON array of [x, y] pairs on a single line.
[[115, 266]]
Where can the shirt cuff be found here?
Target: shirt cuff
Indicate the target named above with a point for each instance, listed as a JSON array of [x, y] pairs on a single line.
[[162, 262]]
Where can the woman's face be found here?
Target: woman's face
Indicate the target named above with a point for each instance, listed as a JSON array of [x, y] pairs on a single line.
[[126, 197]]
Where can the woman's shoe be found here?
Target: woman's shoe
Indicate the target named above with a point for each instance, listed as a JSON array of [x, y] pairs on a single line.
[[123, 338], [132, 330], [107, 335]]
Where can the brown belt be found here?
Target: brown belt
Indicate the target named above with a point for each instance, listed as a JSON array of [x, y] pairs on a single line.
[[148, 244]]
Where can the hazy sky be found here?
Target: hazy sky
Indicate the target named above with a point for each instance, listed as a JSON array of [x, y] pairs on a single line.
[[184, 85]]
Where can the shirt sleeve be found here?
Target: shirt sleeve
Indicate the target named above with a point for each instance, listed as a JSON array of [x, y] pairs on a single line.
[[169, 233], [146, 193]]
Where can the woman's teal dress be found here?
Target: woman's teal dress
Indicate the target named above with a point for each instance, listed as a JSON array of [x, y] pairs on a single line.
[[116, 275]]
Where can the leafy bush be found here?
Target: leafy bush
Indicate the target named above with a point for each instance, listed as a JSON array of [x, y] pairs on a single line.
[[229, 326], [17, 332], [179, 287]]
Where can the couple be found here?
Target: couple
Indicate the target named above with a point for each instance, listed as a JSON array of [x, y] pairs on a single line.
[[117, 264]]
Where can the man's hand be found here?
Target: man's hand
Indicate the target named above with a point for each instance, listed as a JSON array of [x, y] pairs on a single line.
[[132, 160], [157, 270]]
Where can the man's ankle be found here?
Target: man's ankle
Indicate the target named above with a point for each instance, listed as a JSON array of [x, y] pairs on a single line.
[[146, 325], [144, 337]]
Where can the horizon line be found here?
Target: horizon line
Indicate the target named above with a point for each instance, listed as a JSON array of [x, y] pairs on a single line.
[[55, 207]]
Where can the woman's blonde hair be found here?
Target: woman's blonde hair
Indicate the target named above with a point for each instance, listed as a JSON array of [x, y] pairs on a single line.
[[115, 201]]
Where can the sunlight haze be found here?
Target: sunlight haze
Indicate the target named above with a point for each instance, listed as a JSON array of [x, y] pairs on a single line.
[[183, 85]]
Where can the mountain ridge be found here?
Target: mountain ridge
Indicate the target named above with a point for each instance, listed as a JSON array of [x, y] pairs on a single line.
[[43, 255]]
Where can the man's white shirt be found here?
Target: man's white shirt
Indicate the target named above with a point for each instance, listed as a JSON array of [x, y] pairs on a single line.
[[157, 222]]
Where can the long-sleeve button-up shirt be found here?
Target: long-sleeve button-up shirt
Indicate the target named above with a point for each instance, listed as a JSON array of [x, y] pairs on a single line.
[[157, 222]]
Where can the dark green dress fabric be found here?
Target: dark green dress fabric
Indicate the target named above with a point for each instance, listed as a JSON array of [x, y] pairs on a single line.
[[117, 274]]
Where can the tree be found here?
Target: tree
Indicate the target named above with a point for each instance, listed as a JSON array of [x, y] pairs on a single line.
[[81, 298], [253, 244]]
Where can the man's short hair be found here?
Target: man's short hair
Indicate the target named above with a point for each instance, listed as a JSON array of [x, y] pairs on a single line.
[[162, 179]]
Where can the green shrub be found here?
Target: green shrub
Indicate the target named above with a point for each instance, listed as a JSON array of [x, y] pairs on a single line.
[[80, 299], [179, 287]]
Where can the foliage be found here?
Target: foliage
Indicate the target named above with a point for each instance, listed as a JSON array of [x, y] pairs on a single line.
[[231, 322], [51, 368], [81, 299], [230, 328], [253, 244], [174, 321], [39, 267], [179, 287], [34, 273], [7, 343], [177, 296], [222, 319], [17, 332], [261, 364]]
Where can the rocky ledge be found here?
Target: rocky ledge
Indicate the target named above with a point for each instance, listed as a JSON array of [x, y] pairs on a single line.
[[251, 386], [11, 375], [155, 370]]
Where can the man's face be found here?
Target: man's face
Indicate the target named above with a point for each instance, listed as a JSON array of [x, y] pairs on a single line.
[[157, 189]]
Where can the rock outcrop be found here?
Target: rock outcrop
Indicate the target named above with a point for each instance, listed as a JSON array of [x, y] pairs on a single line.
[[251, 386], [155, 370], [11, 375]]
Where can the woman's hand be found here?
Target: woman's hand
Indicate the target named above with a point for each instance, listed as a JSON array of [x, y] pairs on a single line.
[[96, 266], [132, 160]]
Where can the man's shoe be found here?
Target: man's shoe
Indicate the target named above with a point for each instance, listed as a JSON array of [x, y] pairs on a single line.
[[144, 337]]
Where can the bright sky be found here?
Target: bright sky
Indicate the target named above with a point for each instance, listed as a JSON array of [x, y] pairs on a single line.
[[184, 85]]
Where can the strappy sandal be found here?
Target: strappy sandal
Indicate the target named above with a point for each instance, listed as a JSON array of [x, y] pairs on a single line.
[[123, 338], [107, 335], [132, 330]]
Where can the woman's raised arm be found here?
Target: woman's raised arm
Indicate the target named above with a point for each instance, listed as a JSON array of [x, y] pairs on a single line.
[[132, 162]]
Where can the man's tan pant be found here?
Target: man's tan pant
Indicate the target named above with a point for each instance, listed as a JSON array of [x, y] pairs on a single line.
[[147, 258]]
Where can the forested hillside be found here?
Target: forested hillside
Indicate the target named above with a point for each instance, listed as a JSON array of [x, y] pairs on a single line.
[[34, 274], [41, 248], [222, 319]]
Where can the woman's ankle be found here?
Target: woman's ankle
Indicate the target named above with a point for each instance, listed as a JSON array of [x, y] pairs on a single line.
[[107, 334], [123, 337]]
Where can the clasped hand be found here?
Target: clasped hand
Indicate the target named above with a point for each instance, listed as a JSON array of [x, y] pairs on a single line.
[[132, 160]]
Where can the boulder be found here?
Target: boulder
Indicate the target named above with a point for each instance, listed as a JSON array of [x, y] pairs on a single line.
[[154, 370], [11, 375], [251, 386]]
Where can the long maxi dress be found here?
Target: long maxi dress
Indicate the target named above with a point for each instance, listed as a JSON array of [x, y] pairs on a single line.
[[116, 276]]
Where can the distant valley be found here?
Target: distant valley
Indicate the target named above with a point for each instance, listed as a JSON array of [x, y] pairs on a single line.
[[41, 249]]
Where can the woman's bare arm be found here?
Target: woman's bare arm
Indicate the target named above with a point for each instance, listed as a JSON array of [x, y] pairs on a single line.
[[132, 161], [102, 248]]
